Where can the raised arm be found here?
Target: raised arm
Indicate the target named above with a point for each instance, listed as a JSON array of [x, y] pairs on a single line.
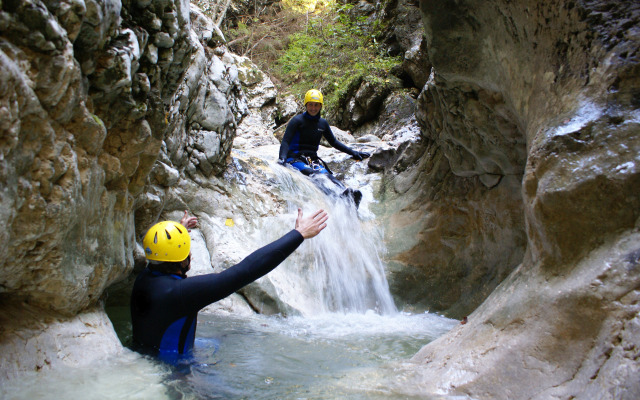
[[328, 134], [202, 290]]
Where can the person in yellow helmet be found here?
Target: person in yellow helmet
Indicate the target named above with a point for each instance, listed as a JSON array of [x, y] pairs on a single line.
[[299, 147], [165, 304]]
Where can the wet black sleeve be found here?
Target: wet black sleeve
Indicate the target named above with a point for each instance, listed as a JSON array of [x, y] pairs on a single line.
[[292, 126], [328, 134], [199, 291]]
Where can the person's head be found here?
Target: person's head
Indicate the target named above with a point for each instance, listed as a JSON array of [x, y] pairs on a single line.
[[313, 102], [167, 247]]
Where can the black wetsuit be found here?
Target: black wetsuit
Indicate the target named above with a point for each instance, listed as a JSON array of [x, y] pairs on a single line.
[[303, 135], [164, 307], [302, 138]]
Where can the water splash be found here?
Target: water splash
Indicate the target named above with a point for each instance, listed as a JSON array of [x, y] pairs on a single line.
[[340, 270]]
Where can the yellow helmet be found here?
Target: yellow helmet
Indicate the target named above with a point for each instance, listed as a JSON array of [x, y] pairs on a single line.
[[313, 95], [167, 241]]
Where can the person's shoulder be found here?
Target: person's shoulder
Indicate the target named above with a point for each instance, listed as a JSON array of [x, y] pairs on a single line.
[[297, 119], [324, 122], [295, 122]]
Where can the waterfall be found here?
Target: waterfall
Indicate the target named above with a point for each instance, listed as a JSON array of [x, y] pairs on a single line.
[[340, 270]]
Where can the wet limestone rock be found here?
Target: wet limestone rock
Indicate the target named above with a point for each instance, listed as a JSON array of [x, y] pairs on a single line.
[[257, 129], [362, 101], [539, 336], [91, 93], [55, 340], [455, 215], [546, 93], [405, 36]]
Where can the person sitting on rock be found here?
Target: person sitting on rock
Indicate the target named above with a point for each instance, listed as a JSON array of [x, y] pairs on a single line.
[[165, 304], [299, 147]]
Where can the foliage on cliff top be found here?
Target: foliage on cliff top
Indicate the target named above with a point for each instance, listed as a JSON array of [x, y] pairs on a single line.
[[305, 44]]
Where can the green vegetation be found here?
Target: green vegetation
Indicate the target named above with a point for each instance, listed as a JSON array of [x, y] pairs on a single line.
[[310, 44]]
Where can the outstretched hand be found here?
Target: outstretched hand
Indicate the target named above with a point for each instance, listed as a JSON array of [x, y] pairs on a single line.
[[188, 222], [311, 226]]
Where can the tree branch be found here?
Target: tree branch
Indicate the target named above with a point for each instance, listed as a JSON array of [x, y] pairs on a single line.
[[223, 11], [256, 43]]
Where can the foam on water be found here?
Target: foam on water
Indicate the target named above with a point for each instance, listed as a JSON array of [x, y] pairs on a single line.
[[336, 326]]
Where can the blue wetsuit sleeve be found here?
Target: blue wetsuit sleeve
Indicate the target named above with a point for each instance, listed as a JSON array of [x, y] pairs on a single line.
[[328, 134], [202, 290]]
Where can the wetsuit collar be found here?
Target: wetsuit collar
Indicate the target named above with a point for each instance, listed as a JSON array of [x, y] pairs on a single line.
[[309, 116], [172, 268], [158, 273]]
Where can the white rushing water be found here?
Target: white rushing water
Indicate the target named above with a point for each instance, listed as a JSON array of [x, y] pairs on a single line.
[[340, 270]]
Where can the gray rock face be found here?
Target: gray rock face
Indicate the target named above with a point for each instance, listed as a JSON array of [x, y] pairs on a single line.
[[362, 102], [54, 199], [406, 36], [91, 94], [538, 93], [480, 137], [541, 336], [257, 129]]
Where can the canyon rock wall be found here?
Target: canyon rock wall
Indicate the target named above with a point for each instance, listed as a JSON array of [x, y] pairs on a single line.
[[92, 94], [533, 110], [452, 203]]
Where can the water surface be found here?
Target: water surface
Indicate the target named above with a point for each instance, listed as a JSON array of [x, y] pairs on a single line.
[[331, 356]]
